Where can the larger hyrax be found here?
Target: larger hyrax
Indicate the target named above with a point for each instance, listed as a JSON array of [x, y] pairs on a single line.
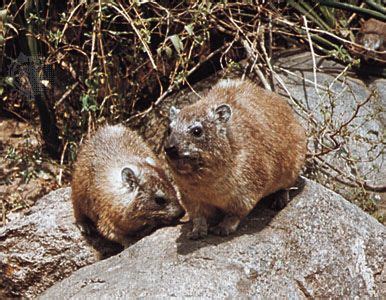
[[121, 186], [230, 149]]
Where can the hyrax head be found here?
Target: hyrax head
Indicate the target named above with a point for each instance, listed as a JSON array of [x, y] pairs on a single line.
[[197, 137], [148, 197]]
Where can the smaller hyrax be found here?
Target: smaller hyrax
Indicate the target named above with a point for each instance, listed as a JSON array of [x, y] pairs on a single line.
[[373, 35], [230, 149], [121, 187]]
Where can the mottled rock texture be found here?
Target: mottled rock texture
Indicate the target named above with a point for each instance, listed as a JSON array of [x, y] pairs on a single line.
[[42, 247], [335, 96], [320, 245]]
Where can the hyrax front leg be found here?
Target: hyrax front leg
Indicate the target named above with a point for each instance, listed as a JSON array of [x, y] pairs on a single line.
[[200, 228], [198, 213], [84, 224]]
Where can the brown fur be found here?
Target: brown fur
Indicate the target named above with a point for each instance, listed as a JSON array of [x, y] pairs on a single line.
[[259, 150], [373, 36], [118, 207]]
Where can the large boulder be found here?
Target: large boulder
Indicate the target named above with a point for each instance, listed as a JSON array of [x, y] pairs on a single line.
[[320, 245], [44, 246], [333, 97]]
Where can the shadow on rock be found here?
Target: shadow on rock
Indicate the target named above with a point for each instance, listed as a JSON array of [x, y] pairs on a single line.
[[256, 221], [261, 216], [104, 247]]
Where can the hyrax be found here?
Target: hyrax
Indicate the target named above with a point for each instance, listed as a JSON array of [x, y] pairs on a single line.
[[121, 187], [373, 35], [230, 149]]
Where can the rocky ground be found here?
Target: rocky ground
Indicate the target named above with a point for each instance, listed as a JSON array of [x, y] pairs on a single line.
[[320, 245], [26, 174]]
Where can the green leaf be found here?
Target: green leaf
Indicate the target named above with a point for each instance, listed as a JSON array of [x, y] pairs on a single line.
[[3, 15], [189, 29], [9, 80], [177, 43], [85, 101], [168, 51], [93, 107]]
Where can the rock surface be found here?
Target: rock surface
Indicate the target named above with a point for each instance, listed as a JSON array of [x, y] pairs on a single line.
[[332, 102], [42, 247], [337, 96], [320, 245]]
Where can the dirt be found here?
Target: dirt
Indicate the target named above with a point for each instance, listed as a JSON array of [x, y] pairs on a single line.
[[26, 173]]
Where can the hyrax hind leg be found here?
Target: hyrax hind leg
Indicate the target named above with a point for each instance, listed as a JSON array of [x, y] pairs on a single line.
[[227, 226], [233, 215], [282, 198]]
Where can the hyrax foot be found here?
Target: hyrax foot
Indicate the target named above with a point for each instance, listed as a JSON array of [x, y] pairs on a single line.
[[200, 229], [282, 198], [126, 242], [226, 227], [87, 228]]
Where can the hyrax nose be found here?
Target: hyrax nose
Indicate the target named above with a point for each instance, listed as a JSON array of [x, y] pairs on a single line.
[[171, 148], [171, 151]]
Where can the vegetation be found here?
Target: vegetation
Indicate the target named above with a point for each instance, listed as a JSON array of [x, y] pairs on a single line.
[[77, 64]]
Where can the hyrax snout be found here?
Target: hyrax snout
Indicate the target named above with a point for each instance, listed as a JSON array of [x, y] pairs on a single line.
[[121, 186], [230, 149]]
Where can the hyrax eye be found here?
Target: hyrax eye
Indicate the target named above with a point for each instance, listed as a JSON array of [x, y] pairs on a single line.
[[196, 131], [161, 201]]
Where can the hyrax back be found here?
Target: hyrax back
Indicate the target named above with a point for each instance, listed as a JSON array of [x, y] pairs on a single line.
[[121, 186], [230, 149]]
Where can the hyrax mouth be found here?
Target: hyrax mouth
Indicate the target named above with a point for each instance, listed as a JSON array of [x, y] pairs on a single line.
[[183, 165], [174, 219]]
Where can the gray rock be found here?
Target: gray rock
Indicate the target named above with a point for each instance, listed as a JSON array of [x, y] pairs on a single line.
[[380, 85], [320, 245], [332, 103], [42, 247]]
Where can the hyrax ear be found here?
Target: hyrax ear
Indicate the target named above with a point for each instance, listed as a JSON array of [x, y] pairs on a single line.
[[222, 113], [129, 177], [173, 113]]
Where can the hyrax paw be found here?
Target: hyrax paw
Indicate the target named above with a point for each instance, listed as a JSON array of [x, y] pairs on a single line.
[[227, 226], [281, 200], [86, 229], [200, 229], [197, 234], [220, 230]]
